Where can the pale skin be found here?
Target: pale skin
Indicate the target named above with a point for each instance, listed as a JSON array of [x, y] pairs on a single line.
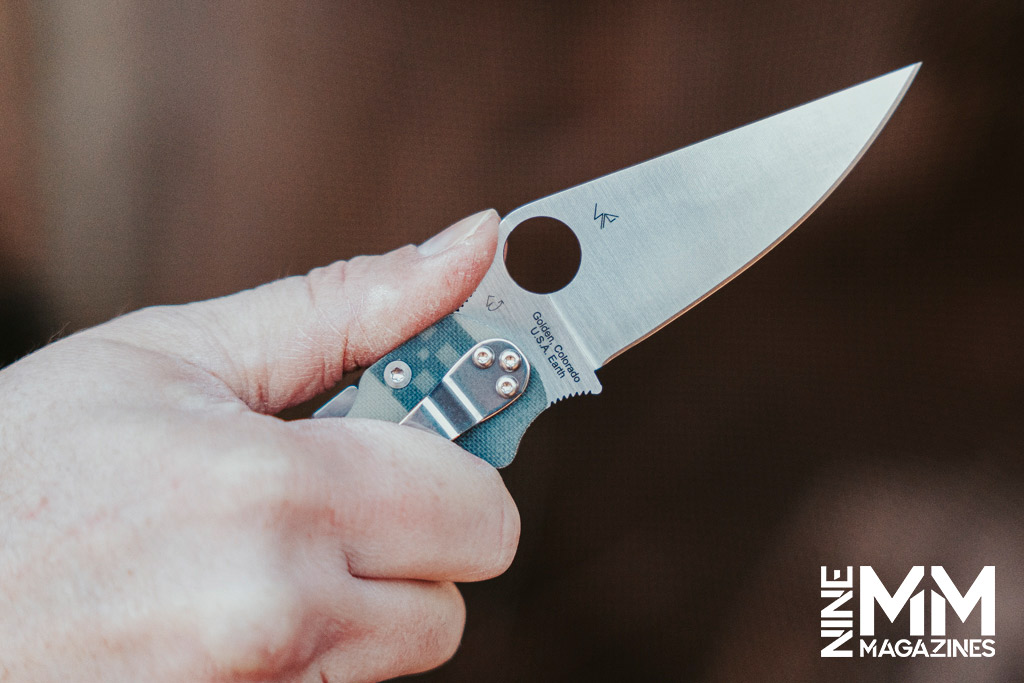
[[159, 524]]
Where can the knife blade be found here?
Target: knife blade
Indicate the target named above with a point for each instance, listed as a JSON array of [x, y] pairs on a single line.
[[670, 232]]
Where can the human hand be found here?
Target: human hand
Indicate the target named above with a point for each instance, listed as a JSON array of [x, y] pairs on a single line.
[[157, 523]]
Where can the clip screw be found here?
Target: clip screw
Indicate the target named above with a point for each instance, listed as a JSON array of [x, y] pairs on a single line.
[[509, 360], [397, 374], [507, 386], [483, 357]]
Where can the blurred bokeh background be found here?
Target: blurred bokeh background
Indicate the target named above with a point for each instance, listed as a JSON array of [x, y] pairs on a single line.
[[854, 399]]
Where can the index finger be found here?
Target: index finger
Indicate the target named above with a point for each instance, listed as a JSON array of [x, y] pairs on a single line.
[[403, 503]]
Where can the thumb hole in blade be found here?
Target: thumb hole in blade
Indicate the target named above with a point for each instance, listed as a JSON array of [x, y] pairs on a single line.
[[542, 255]]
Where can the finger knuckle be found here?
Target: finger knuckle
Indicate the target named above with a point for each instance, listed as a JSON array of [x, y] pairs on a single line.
[[254, 628], [441, 634], [502, 529], [508, 538], [253, 479]]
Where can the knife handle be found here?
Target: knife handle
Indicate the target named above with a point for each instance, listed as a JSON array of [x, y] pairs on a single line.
[[429, 355]]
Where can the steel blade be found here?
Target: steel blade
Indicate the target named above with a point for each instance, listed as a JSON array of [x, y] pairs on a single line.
[[658, 237]]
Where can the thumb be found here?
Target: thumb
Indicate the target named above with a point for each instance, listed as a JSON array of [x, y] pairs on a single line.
[[284, 342]]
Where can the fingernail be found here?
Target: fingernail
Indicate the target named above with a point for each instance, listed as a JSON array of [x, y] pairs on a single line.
[[457, 233]]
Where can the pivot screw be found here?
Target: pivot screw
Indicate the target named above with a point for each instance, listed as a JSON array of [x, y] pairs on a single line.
[[483, 357], [397, 374], [510, 360], [507, 386]]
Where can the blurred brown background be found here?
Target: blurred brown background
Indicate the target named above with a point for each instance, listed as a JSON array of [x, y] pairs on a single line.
[[854, 399]]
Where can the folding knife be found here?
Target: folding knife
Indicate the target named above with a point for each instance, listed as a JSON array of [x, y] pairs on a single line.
[[672, 231]]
